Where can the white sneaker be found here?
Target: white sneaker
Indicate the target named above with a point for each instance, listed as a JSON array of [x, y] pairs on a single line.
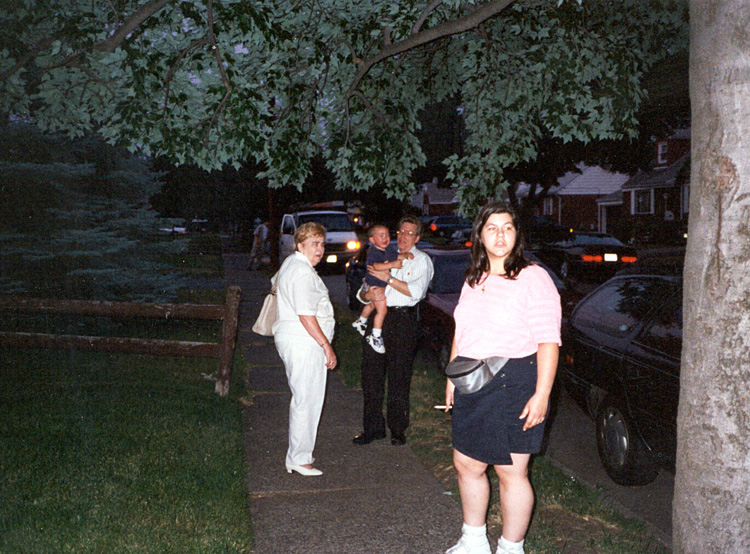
[[376, 343], [461, 547], [360, 326]]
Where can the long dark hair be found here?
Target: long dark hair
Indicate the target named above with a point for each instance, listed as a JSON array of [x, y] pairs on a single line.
[[480, 263]]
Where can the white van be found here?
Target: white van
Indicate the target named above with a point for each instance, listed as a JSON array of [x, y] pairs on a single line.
[[341, 240]]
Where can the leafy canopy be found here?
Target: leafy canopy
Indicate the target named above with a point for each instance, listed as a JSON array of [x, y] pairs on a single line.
[[217, 82]]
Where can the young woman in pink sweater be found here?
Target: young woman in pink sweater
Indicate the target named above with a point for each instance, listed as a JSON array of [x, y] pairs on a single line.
[[510, 308]]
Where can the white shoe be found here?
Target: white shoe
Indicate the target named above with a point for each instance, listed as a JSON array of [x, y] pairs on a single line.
[[376, 343], [461, 547], [360, 326], [304, 471]]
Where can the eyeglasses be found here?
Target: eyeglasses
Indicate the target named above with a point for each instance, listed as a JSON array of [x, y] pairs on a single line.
[[404, 232]]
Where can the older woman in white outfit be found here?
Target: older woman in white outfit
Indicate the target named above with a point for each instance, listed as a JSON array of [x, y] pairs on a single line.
[[303, 333]]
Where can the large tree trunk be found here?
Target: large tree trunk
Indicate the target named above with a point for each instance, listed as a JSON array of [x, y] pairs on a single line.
[[711, 510]]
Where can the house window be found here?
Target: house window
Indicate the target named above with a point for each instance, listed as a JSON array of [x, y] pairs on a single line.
[[643, 201], [548, 206], [661, 153]]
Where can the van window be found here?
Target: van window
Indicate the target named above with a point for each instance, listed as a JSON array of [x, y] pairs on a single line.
[[332, 222], [288, 227]]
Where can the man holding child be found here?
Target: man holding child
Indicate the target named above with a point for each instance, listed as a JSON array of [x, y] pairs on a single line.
[[405, 287]]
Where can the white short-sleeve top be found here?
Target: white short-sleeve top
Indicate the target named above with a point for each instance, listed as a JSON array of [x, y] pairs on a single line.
[[301, 291]]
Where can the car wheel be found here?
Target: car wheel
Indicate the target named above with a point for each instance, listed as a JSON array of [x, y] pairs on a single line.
[[624, 456]]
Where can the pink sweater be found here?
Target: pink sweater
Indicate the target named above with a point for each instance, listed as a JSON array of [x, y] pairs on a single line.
[[500, 317]]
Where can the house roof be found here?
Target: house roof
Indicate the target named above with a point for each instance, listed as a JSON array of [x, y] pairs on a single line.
[[657, 178], [435, 194], [591, 181], [588, 181]]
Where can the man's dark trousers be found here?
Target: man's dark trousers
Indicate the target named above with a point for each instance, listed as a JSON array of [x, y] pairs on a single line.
[[400, 340]]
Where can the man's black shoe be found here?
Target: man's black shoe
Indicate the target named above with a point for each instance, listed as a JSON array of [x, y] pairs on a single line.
[[364, 438], [398, 439]]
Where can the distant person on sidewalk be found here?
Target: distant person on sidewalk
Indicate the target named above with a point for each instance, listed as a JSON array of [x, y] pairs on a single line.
[[260, 243], [303, 333], [405, 287], [509, 308], [382, 257]]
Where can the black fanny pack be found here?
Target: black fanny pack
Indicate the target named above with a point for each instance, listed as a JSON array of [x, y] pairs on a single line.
[[470, 375]]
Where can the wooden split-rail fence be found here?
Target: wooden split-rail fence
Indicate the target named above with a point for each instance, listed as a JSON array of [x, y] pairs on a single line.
[[223, 350]]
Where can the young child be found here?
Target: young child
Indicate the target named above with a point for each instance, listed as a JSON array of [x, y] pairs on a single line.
[[381, 257]]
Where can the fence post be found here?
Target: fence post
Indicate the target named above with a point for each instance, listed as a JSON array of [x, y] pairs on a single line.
[[228, 339]]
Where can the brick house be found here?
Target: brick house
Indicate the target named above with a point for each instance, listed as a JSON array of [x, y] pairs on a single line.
[[656, 202], [573, 202], [430, 199]]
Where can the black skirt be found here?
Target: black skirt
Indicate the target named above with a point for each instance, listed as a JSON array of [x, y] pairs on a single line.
[[486, 424]]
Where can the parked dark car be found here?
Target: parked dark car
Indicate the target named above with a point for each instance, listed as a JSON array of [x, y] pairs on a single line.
[[462, 237], [436, 311], [446, 225], [587, 256], [621, 363], [540, 229], [356, 269]]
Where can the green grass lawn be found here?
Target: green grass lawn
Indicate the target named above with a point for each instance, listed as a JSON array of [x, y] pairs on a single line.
[[121, 453], [118, 453]]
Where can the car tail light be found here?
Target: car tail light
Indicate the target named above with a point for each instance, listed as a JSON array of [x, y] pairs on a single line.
[[468, 244], [629, 259], [352, 245], [591, 258], [433, 227]]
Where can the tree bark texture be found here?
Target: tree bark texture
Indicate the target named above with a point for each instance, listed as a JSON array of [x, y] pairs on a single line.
[[711, 509]]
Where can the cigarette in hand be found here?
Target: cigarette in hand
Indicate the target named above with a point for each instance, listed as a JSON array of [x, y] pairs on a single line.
[[440, 407]]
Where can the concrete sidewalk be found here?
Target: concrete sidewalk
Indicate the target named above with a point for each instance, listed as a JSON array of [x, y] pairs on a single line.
[[374, 499]]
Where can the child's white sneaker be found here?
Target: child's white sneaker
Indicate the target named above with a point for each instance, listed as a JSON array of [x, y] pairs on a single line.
[[376, 343], [360, 326]]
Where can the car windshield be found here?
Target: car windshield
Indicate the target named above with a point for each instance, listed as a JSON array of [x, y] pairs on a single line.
[[450, 272], [332, 222]]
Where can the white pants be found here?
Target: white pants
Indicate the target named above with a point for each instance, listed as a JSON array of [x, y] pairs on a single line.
[[306, 373]]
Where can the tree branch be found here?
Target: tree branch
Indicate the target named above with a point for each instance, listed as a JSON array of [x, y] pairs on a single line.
[[220, 65], [421, 38], [173, 69], [30, 55], [425, 14], [132, 23], [108, 45]]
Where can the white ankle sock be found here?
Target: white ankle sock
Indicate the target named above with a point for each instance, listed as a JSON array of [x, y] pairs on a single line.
[[476, 537], [504, 546], [474, 531], [361, 319], [376, 332]]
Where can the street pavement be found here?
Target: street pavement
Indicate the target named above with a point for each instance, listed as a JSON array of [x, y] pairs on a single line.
[[378, 498], [374, 499]]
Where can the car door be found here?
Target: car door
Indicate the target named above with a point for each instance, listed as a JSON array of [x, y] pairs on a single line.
[[600, 330], [651, 375]]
